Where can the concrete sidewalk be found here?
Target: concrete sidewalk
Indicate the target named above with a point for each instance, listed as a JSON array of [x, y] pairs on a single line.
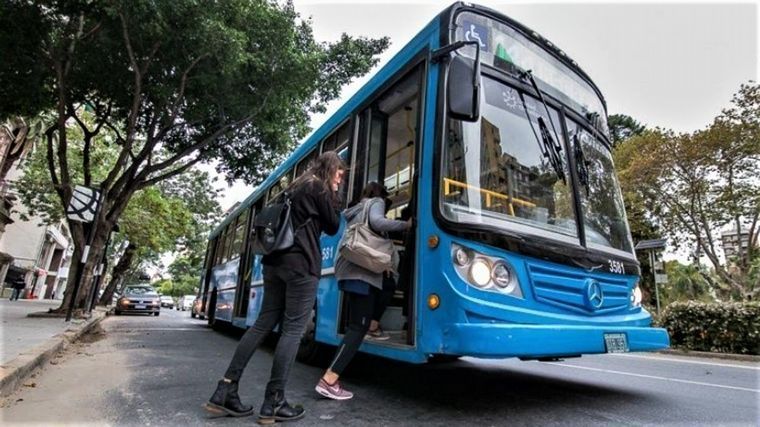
[[30, 342]]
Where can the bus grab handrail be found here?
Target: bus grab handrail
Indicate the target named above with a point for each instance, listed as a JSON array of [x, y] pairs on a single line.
[[448, 183]]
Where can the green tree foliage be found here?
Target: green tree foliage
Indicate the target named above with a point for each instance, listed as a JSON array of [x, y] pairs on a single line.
[[177, 83], [185, 275], [638, 207], [623, 127], [174, 216], [697, 184], [24, 32], [686, 282]]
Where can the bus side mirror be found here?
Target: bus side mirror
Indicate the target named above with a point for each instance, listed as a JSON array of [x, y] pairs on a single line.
[[464, 88]]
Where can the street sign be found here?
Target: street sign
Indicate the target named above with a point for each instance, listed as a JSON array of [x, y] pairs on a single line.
[[83, 204]]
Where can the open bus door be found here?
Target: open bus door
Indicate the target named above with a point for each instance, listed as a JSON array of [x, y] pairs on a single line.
[[387, 152]]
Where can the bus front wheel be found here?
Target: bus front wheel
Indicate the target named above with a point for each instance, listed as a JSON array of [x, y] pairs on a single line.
[[443, 358]]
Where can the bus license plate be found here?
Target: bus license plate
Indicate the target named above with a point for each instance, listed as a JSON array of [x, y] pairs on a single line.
[[616, 343], [139, 306]]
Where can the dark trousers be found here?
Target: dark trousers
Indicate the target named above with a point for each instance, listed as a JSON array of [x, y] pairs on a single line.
[[288, 296], [360, 311], [15, 294], [384, 298]]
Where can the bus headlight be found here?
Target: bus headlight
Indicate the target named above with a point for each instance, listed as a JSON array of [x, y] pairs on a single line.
[[487, 273], [480, 272], [461, 257], [636, 296], [501, 275]]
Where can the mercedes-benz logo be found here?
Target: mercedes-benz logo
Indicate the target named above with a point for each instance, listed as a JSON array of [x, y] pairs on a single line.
[[594, 294]]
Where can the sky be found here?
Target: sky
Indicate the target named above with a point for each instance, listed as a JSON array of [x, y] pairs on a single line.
[[673, 65]]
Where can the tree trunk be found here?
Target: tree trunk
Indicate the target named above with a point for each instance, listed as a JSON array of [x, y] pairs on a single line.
[[118, 273], [96, 249], [93, 260]]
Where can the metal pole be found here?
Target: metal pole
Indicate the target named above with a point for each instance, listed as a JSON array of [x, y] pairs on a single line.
[[83, 260], [654, 277]]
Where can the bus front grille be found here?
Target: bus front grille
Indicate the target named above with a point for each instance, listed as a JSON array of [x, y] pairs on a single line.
[[575, 291]]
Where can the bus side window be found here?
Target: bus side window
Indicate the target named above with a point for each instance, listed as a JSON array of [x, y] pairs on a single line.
[[303, 165]]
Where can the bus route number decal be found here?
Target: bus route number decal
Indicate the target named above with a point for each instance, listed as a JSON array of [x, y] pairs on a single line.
[[327, 253], [616, 267]]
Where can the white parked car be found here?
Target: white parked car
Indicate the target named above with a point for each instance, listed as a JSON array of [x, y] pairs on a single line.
[[167, 301], [186, 302]]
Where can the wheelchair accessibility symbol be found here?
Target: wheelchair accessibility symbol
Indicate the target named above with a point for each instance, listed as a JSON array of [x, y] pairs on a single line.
[[475, 32]]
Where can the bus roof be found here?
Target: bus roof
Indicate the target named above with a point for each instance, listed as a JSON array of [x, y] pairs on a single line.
[[429, 36]]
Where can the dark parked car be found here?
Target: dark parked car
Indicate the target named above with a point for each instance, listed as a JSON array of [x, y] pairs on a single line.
[[138, 299], [197, 309]]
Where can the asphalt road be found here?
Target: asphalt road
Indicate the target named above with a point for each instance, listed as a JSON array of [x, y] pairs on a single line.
[[159, 370]]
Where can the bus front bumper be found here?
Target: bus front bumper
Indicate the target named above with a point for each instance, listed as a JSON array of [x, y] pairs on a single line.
[[539, 341]]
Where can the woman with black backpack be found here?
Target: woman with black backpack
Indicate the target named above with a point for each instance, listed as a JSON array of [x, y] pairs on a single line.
[[291, 277], [362, 287]]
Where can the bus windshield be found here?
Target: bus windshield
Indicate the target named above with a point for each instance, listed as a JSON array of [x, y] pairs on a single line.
[[601, 200], [498, 172], [495, 170]]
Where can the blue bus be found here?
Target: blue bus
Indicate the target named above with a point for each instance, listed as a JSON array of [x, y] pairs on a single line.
[[498, 144]]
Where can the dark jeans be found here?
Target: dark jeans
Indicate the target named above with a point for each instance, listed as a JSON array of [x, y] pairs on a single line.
[[15, 294], [288, 296], [360, 310], [384, 298]]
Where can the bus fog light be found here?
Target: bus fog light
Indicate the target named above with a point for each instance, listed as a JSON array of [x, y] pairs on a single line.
[[461, 257], [501, 275], [480, 272]]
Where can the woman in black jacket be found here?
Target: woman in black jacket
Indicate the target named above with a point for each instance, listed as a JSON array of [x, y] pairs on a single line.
[[290, 284]]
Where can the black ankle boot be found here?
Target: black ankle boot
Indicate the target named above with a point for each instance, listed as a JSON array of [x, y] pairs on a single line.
[[276, 408], [225, 401]]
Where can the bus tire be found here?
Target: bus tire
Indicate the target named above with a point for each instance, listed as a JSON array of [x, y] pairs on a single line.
[[443, 358], [212, 309], [310, 351]]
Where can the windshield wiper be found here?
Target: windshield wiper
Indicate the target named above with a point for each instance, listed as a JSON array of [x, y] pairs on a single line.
[[551, 150], [551, 146], [581, 165], [546, 144]]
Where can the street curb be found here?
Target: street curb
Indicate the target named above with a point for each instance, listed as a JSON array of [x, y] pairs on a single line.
[[709, 355], [13, 373]]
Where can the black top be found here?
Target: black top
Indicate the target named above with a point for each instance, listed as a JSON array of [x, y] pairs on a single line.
[[310, 200]]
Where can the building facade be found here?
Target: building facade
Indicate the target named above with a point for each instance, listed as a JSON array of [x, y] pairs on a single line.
[[38, 253], [732, 240]]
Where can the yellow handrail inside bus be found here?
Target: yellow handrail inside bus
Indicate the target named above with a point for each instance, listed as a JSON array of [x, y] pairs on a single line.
[[489, 195]]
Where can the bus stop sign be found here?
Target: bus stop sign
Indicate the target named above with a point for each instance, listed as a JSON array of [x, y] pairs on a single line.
[[83, 204]]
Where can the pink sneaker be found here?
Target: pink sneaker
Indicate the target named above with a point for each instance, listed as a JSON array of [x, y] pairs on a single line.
[[334, 391]]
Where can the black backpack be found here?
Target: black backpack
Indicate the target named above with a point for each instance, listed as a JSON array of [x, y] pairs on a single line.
[[273, 227]]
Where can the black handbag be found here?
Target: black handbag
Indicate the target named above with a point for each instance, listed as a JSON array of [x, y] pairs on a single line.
[[273, 227]]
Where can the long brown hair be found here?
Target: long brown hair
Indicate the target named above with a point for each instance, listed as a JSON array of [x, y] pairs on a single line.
[[370, 191], [323, 169]]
